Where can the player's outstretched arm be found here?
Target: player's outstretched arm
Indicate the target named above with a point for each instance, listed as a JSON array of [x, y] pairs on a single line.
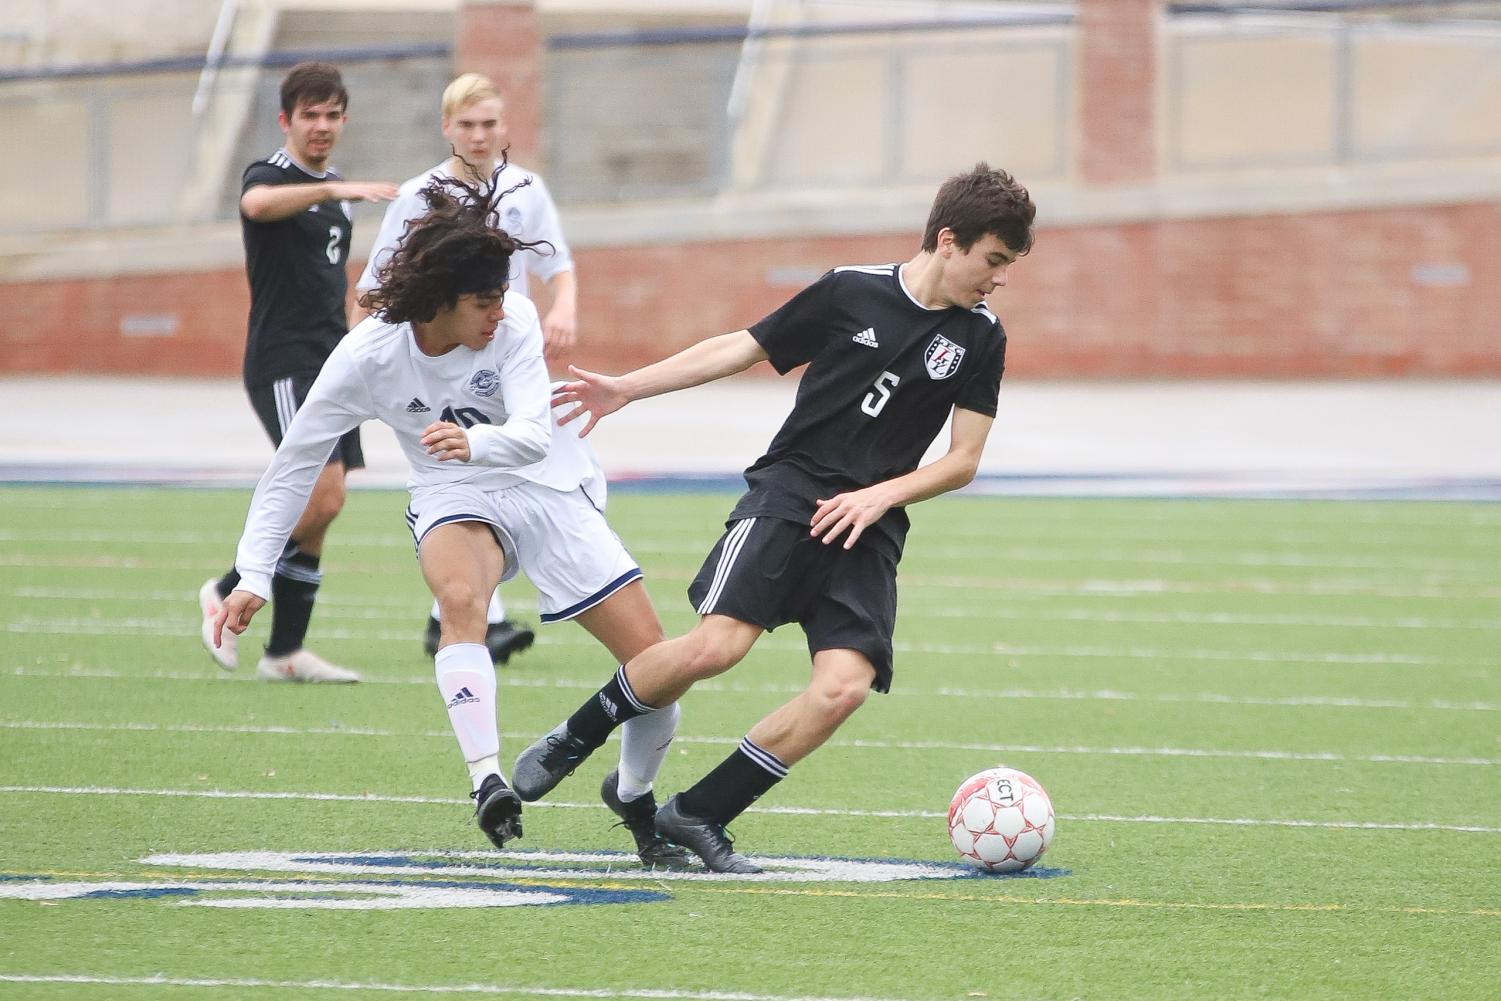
[[235, 613], [600, 395], [273, 202]]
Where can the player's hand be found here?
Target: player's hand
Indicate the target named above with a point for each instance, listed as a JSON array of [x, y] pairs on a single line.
[[364, 191], [445, 440], [851, 511], [235, 613], [559, 332], [594, 394]]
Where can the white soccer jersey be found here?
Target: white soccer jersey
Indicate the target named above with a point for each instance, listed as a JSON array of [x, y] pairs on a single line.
[[500, 394], [528, 214]]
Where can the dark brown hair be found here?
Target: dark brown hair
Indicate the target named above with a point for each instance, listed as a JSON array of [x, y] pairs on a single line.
[[312, 83], [979, 202], [456, 249]]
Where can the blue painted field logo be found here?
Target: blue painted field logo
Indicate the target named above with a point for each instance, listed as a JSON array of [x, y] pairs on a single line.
[[360, 894], [574, 866], [353, 880]]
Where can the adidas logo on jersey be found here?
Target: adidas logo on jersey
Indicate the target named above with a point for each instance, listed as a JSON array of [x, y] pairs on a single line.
[[867, 337], [417, 407]]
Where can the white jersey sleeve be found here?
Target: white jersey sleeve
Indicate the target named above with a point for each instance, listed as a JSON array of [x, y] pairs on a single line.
[[542, 223], [526, 435], [337, 403]]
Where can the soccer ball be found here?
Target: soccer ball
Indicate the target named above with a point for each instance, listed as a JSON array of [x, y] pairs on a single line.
[[1001, 820]]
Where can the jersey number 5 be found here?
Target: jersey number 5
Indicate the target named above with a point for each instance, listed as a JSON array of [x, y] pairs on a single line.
[[880, 393]]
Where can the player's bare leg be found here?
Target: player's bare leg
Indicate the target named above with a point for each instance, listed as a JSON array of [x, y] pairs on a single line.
[[666, 670], [462, 564], [664, 673], [839, 685]]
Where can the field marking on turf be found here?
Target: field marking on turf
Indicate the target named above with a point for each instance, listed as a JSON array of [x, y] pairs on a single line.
[[370, 609], [551, 866], [1013, 554], [1124, 587], [879, 745], [582, 684], [176, 629], [796, 811], [347, 985]]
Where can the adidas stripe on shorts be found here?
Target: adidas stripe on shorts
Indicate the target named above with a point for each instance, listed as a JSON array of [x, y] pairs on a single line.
[[771, 571]]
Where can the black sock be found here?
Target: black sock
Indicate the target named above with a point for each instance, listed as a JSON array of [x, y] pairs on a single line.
[[227, 583], [294, 586], [736, 783], [609, 707]]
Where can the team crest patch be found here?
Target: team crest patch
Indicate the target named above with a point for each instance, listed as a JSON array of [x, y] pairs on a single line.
[[942, 357], [512, 222], [485, 382]]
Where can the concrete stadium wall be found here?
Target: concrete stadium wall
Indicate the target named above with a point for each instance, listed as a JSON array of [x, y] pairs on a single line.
[[1390, 292], [1136, 273]]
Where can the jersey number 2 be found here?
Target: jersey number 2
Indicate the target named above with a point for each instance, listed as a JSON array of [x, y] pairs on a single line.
[[332, 250], [880, 393]]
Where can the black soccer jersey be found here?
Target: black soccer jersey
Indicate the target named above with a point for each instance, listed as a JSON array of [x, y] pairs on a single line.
[[297, 278], [884, 372]]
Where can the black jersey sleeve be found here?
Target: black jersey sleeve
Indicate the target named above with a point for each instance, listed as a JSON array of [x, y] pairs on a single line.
[[982, 391], [799, 329], [260, 172]]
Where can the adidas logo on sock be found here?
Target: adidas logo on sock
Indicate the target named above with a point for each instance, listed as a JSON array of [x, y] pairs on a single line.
[[608, 705], [417, 407], [463, 697], [867, 337]]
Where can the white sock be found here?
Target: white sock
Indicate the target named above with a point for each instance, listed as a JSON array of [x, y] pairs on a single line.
[[466, 682], [483, 769], [643, 747], [495, 613]]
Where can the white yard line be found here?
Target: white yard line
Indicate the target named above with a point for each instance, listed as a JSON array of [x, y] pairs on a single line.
[[1030, 586], [174, 628], [879, 745], [336, 608], [1481, 564], [966, 694], [345, 985], [772, 810]]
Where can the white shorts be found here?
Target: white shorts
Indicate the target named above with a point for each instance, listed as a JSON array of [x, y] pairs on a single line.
[[560, 540]]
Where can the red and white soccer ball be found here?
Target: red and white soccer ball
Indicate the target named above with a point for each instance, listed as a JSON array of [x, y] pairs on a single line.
[[1001, 820]]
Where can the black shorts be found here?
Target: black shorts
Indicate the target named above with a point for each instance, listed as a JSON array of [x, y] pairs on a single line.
[[275, 405], [769, 572]]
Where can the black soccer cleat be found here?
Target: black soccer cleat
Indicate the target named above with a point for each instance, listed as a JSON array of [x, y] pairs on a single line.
[[706, 839], [639, 817], [503, 639], [550, 760], [497, 811]]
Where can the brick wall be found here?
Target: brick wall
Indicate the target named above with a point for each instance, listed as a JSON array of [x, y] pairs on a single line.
[[1407, 292]]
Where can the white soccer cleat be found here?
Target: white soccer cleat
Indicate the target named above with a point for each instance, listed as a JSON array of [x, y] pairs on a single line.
[[303, 665], [227, 655]]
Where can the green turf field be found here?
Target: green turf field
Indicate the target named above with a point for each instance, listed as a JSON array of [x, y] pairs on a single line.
[[1271, 731]]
